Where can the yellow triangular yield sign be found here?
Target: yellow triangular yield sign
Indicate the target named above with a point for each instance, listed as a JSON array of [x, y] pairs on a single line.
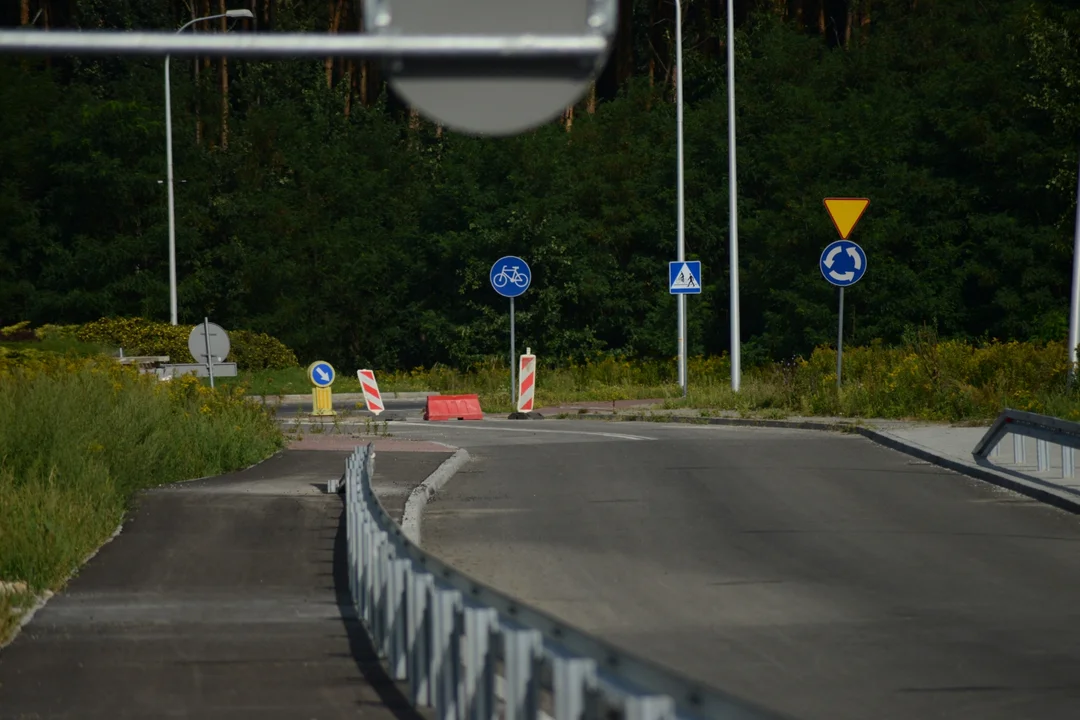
[[845, 213]]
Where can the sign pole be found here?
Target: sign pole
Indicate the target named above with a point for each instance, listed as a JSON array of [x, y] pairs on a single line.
[[840, 341], [209, 357], [1074, 305], [513, 366]]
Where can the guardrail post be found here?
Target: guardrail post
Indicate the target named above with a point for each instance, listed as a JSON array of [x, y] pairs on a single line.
[[1068, 462], [396, 619], [446, 652], [382, 606], [1019, 449], [417, 637], [650, 707], [521, 657], [1042, 455], [574, 679], [479, 694]]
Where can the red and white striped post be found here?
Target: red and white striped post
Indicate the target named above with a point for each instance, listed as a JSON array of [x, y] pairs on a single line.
[[372, 398], [526, 381]]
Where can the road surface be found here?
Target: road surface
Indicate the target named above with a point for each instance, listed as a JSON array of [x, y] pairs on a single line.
[[816, 573], [222, 598]]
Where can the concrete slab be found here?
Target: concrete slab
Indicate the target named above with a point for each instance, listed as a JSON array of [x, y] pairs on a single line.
[[221, 598]]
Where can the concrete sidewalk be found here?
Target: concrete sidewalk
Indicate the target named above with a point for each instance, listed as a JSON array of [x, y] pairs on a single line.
[[222, 598]]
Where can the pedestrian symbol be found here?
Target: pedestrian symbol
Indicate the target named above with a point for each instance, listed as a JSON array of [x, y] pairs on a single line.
[[684, 278]]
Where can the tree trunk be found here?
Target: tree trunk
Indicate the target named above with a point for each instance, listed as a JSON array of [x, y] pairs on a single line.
[[568, 116], [196, 10], [223, 77], [821, 17], [590, 103], [850, 23], [24, 12], [350, 73], [864, 22], [335, 22]]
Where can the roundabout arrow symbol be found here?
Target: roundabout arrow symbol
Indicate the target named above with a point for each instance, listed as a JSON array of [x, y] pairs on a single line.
[[854, 255]]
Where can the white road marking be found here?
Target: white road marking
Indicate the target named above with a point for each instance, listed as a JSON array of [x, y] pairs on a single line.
[[488, 427]]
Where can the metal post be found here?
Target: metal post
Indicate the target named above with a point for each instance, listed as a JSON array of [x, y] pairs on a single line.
[[1074, 309], [513, 365], [840, 341], [736, 335], [169, 162], [169, 181], [209, 357], [681, 229]]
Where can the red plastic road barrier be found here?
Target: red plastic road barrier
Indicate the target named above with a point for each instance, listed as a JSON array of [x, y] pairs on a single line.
[[453, 407]]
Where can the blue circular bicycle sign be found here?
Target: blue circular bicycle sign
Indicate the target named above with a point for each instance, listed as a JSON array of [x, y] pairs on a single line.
[[510, 276]]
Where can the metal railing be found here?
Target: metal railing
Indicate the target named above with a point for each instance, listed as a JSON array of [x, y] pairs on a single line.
[[1046, 430], [474, 654]]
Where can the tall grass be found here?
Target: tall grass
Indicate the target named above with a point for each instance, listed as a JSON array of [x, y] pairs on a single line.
[[78, 438]]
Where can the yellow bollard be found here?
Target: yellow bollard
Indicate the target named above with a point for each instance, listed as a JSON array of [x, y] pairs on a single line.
[[321, 374]]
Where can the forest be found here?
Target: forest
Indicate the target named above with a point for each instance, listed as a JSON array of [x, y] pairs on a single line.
[[314, 205]]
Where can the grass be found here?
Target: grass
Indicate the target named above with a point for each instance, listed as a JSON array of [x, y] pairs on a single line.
[[923, 378], [79, 437]]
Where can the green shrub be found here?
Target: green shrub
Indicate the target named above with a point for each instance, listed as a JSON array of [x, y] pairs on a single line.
[[137, 336]]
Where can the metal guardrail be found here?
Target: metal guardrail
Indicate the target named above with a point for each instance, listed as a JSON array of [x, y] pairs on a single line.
[[1046, 430], [461, 645]]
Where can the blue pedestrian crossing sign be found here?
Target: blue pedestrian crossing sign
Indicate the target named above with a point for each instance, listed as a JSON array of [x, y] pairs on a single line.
[[684, 278], [321, 373], [843, 263]]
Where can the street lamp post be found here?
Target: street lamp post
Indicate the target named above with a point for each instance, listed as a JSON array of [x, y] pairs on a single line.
[[1074, 303], [681, 229], [169, 160], [736, 354], [736, 336]]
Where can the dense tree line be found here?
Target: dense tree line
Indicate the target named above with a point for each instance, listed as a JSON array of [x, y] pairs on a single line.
[[313, 205]]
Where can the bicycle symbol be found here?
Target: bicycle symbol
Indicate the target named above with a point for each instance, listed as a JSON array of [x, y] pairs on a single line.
[[519, 279]]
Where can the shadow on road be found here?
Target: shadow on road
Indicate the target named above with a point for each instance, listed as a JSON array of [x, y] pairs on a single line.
[[392, 694]]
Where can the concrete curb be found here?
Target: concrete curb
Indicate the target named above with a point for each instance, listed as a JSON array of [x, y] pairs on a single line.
[[346, 397], [1041, 490], [422, 493]]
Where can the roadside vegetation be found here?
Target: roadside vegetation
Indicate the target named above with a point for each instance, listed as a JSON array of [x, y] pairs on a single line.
[[80, 434], [923, 378]]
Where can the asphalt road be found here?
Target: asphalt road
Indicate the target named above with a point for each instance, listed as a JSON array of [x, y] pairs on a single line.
[[817, 574], [221, 598]]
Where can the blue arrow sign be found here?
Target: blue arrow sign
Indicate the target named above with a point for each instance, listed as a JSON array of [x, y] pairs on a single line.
[[321, 374], [684, 278], [510, 276], [843, 263]]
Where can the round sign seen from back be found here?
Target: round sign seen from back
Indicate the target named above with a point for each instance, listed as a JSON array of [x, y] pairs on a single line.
[[502, 97], [510, 276], [219, 342]]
